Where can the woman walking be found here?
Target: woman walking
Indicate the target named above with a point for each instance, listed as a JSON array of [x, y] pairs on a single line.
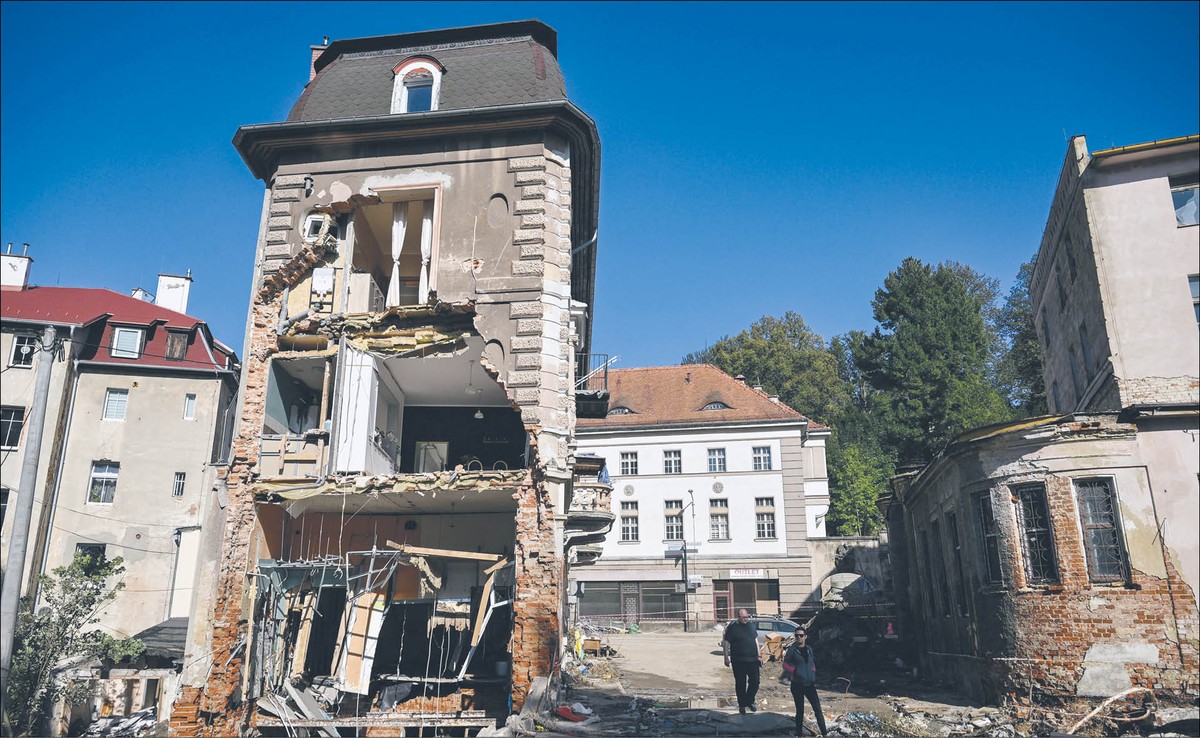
[[799, 662]]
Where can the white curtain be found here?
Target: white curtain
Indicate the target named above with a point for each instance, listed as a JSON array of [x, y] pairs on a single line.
[[426, 250], [399, 228]]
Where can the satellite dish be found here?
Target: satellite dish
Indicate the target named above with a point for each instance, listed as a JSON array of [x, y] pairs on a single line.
[[718, 488]]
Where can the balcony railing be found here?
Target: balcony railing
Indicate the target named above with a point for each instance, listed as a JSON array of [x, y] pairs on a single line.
[[591, 384]]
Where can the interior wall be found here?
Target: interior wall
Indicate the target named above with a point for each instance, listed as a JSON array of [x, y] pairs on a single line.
[[499, 436]]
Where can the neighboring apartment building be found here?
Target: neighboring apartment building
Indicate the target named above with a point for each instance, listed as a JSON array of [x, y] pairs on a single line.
[[138, 414], [401, 507], [1061, 554], [698, 457]]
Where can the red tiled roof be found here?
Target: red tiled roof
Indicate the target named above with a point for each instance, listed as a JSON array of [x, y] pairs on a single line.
[[102, 310], [677, 395], [82, 305]]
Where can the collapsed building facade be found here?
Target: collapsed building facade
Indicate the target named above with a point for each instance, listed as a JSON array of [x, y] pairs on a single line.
[[402, 503], [1059, 557]]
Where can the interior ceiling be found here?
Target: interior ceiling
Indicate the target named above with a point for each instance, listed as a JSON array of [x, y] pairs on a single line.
[[434, 502], [447, 381]]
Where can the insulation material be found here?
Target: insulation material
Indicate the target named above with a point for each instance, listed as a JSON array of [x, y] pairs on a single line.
[[452, 615]]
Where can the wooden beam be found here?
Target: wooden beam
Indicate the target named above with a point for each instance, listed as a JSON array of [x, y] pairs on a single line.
[[445, 553]]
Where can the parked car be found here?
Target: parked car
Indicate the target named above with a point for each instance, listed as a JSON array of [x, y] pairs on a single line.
[[765, 624]]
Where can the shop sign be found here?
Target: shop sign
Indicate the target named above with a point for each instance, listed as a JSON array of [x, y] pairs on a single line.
[[747, 573]]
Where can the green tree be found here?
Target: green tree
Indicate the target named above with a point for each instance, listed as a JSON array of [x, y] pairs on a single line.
[[929, 358], [1020, 369], [788, 359], [859, 472], [56, 632]]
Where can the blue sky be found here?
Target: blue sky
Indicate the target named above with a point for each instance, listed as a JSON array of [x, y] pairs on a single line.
[[757, 158]]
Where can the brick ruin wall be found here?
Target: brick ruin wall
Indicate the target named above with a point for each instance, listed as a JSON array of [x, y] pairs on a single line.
[[542, 392], [1054, 628]]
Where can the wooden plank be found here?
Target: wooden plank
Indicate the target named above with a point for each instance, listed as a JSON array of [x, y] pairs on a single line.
[[497, 566], [485, 604], [443, 552]]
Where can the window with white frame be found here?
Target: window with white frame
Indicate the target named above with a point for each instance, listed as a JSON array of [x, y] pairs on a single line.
[[12, 420], [189, 406], [1185, 197], [672, 462], [417, 85], [718, 520], [115, 402], [1099, 516], [629, 520], [673, 520], [180, 481], [762, 458], [764, 517], [126, 343], [716, 460], [629, 463], [23, 348], [102, 485]]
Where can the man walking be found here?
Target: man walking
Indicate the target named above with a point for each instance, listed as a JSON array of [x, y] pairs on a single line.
[[744, 653]]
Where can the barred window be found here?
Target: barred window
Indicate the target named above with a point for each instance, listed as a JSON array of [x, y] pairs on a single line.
[[764, 517], [23, 348], [718, 520], [1037, 534], [629, 520], [672, 462], [716, 460], [1098, 514], [990, 537], [673, 520], [762, 458], [180, 481], [629, 463]]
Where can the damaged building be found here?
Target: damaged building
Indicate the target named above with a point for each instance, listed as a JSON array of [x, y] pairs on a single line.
[[401, 503], [1057, 558]]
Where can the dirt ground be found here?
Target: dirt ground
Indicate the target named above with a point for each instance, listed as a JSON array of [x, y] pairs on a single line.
[[677, 684]]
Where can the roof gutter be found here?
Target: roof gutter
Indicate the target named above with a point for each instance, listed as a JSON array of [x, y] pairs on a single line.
[[1149, 145]]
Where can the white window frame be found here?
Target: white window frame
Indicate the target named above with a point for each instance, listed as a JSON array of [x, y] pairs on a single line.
[[8, 423], [19, 340], [629, 522], [629, 463], [107, 472], [180, 483], [125, 353], [716, 461], [400, 90], [764, 519], [672, 461], [718, 520], [673, 520], [189, 406], [110, 396], [1183, 185], [762, 458]]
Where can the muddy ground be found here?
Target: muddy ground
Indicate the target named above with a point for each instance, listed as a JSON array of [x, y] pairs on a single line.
[[676, 684]]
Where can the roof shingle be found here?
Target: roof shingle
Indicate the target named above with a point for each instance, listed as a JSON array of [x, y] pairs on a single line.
[[677, 395]]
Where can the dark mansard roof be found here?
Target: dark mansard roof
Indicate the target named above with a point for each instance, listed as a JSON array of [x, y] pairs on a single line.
[[499, 64]]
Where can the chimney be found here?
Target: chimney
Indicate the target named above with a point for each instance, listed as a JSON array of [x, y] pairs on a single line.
[[774, 399], [741, 378], [14, 268], [173, 291], [141, 294], [316, 51], [758, 388]]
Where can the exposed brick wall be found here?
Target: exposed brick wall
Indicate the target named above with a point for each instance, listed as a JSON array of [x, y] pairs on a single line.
[[535, 636], [1160, 390], [214, 710]]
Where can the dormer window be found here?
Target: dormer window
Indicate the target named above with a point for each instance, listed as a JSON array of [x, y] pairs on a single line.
[[126, 343], [718, 405], [620, 411], [417, 85]]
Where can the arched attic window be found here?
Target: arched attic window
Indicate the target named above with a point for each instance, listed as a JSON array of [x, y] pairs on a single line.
[[716, 405], [417, 85], [620, 410]]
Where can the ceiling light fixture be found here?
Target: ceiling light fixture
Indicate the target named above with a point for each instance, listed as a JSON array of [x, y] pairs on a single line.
[[479, 414]]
